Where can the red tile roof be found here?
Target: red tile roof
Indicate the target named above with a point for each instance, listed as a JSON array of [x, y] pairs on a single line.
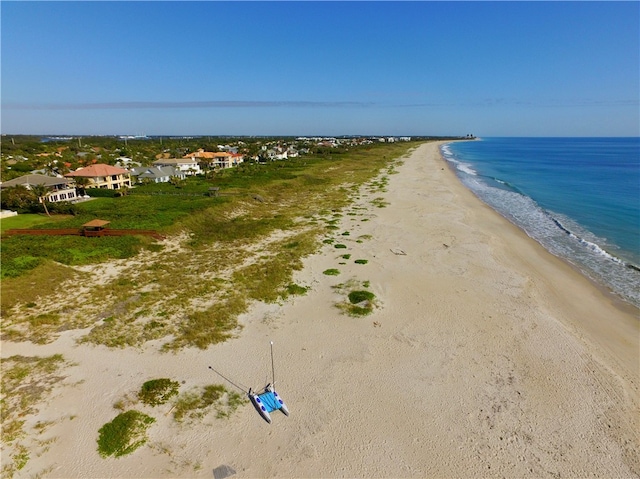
[[98, 170]]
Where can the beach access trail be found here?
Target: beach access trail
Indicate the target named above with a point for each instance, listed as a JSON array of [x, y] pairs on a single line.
[[485, 357]]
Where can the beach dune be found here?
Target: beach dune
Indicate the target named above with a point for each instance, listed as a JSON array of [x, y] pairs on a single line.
[[485, 356]]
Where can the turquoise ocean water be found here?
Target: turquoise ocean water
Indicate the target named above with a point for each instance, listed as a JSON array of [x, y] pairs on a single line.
[[578, 197]]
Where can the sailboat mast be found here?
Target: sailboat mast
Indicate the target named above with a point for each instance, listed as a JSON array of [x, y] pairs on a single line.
[[273, 370]]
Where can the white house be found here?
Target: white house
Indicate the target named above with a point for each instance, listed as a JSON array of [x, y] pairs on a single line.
[[60, 189], [157, 174], [189, 166]]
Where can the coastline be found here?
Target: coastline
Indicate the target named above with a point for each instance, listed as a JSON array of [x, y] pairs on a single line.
[[486, 357]]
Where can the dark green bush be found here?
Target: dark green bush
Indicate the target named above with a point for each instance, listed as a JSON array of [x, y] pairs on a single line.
[[356, 297]]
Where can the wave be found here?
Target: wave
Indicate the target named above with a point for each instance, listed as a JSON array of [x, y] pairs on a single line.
[[558, 234], [595, 248]]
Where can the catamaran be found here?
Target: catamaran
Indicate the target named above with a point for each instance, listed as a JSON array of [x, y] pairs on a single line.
[[265, 401]]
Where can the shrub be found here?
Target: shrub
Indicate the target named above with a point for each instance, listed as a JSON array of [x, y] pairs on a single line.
[[102, 193], [196, 403], [340, 246], [123, 435], [158, 391], [331, 272], [356, 297], [296, 289], [361, 261]]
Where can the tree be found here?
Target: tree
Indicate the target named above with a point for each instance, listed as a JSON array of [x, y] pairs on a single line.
[[82, 182], [17, 198], [42, 192]]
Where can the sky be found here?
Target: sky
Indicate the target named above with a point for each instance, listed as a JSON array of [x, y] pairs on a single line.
[[327, 68]]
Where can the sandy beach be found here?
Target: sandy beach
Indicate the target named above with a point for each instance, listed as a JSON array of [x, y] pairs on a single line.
[[484, 357]]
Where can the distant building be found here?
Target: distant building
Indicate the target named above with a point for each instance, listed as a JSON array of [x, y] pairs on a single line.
[[103, 176], [157, 174], [217, 159], [187, 165], [60, 189]]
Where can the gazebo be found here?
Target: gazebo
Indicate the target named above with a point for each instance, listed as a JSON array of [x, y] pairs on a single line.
[[94, 227]]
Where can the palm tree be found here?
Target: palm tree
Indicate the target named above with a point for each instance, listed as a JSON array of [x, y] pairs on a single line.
[[42, 192]]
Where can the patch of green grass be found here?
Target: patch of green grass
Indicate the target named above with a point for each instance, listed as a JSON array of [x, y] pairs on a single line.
[[356, 297], [294, 289], [29, 221], [194, 404], [20, 457], [361, 261], [346, 256], [379, 202], [158, 391], [359, 302], [331, 272], [340, 246], [126, 433]]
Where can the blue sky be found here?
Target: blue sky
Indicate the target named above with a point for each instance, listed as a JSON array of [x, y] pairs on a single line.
[[321, 68]]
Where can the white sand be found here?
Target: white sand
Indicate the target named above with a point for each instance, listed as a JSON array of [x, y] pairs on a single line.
[[487, 357]]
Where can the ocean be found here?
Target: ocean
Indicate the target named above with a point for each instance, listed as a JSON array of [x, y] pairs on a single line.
[[578, 197]]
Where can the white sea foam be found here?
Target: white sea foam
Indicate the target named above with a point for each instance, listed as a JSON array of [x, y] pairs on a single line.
[[559, 235]]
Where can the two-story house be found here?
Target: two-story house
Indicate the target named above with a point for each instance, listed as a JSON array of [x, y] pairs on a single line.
[[189, 166], [103, 176], [60, 189]]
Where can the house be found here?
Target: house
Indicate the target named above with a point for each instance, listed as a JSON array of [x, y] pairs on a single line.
[[60, 189], [103, 176], [218, 159], [189, 166], [157, 174]]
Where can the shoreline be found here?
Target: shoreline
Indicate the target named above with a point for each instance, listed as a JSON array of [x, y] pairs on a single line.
[[606, 264], [486, 356], [619, 302]]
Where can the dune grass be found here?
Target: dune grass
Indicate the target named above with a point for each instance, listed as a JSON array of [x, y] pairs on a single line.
[[124, 434], [26, 381], [241, 247]]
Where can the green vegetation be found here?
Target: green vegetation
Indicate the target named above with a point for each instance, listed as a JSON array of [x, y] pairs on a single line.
[[26, 381], [379, 203], [356, 297], [196, 403], [29, 221], [361, 261], [346, 256], [125, 434], [158, 391], [222, 253], [294, 289], [331, 272], [340, 246], [359, 302]]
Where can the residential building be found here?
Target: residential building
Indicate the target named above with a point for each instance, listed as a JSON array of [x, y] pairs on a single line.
[[217, 159], [60, 189], [188, 166], [157, 174], [103, 176]]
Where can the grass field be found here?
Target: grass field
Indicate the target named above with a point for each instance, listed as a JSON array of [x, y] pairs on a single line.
[[28, 221]]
